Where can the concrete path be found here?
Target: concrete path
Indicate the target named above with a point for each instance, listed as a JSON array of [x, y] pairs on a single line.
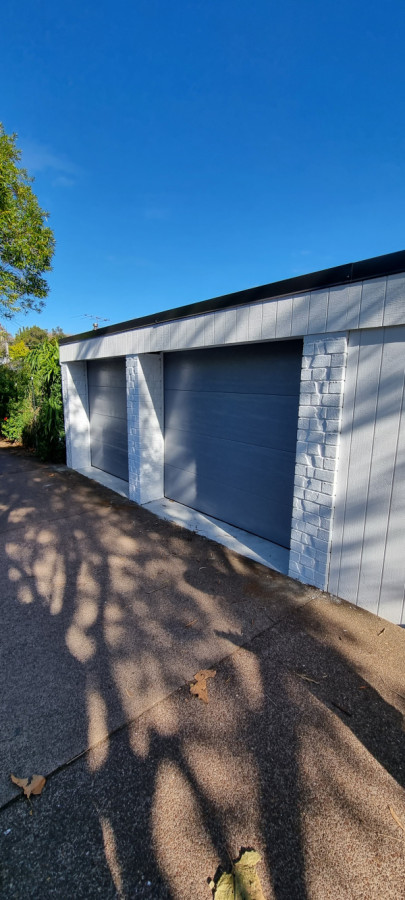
[[107, 613]]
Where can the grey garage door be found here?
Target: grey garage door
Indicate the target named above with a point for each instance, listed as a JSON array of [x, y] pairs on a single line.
[[108, 416], [230, 433]]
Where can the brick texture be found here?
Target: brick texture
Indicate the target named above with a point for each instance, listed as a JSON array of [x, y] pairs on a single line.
[[319, 416], [145, 426]]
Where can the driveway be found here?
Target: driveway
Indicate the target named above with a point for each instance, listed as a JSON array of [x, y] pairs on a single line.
[[107, 613]]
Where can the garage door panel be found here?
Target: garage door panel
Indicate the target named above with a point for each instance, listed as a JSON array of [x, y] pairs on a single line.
[[108, 416], [271, 420], [106, 373], [109, 402], [259, 471], [182, 484], [222, 373], [109, 431], [230, 434], [105, 457]]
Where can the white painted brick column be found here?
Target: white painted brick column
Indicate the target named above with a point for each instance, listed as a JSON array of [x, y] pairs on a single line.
[[76, 413], [321, 402], [145, 426]]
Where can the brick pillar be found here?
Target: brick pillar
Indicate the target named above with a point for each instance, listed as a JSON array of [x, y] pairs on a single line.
[[319, 422], [145, 426]]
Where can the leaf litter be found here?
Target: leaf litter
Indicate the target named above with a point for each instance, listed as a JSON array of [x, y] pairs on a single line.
[[35, 786], [306, 677], [200, 689], [243, 882], [396, 818]]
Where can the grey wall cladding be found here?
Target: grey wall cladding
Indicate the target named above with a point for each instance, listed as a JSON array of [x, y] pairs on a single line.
[[368, 546]]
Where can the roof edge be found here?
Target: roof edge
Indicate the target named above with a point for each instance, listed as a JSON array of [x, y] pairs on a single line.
[[377, 266]]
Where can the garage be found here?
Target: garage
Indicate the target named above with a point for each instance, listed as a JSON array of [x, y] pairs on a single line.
[[278, 410], [230, 433], [108, 416]]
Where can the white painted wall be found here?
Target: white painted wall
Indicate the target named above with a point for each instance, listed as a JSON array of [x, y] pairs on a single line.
[[145, 426], [320, 412], [368, 545], [76, 410], [368, 304]]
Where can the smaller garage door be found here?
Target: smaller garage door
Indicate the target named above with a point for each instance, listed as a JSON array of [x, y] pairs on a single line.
[[108, 416]]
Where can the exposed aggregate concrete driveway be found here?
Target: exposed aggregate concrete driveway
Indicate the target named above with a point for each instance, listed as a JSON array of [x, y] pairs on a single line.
[[107, 613]]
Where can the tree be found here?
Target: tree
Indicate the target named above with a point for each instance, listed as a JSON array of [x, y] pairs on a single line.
[[18, 350], [31, 336], [58, 333], [5, 339], [26, 241]]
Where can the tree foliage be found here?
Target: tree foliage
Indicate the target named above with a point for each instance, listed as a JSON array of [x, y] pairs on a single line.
[[18, 350], [58, 333], [26, 241], [31, 401], [32, 336], [5, 339]]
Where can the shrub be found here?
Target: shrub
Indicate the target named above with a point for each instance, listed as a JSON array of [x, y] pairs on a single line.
[[21, 414], [13, 388], [45, 433], [34, 414]]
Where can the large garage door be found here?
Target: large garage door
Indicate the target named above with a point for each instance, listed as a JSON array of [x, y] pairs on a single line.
[[108, 416], [230, 433]]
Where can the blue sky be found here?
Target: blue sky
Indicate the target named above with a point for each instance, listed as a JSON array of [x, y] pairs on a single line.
[[185, 150]]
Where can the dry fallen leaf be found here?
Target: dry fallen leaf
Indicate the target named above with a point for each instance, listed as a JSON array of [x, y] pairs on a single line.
[[396, 818], [34, 787], [224, 889], [247, 883], [20, 782], [243, 882], [200, 688]]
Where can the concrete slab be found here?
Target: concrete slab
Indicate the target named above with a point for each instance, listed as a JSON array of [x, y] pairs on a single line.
[[243, 542], [110, 481], [107, 613]]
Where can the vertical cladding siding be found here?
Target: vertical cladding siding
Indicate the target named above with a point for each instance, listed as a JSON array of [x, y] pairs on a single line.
[[368, 548], [366, 304]]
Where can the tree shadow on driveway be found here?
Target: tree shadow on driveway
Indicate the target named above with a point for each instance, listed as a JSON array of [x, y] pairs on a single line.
[[107, 615]]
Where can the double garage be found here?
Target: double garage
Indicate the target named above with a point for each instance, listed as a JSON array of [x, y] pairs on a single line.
[[278, 410], [230, 431]]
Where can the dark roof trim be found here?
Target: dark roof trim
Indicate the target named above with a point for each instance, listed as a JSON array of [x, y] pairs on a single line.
[[389, 264]]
